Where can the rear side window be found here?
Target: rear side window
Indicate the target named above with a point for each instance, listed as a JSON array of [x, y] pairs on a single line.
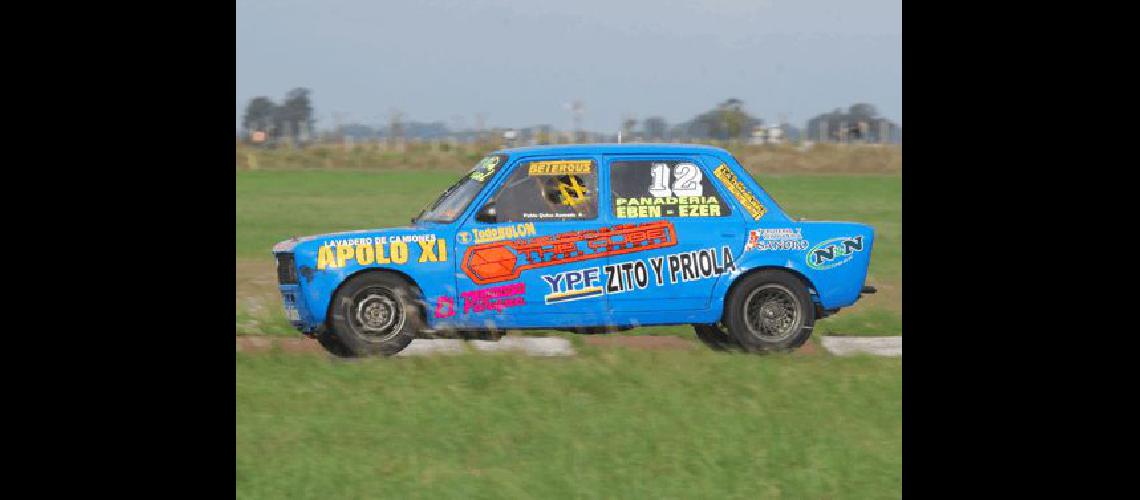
[[665, 188], [549, 190]]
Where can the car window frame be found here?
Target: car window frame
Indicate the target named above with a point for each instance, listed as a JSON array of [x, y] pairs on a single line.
[[492, 191], [698, 160], [486, 184]]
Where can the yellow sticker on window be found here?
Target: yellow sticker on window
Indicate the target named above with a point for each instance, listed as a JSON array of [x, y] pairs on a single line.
[[573, 193], [560, 167], [740, 191]]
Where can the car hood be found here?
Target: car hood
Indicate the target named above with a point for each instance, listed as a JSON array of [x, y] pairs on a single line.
[[290, 244]]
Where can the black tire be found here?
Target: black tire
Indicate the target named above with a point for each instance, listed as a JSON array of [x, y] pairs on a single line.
[[373, 314], [715, 337], [333, 345], [770, 311]]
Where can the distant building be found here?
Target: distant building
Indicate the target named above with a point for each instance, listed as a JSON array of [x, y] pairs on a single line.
[[767, 134], [774, 134], [859, 124]]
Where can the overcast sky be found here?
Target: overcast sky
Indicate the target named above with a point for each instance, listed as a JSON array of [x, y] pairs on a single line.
[[519, 62]]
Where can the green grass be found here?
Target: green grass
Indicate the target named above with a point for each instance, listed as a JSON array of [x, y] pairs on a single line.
[[605, 424], [274, 205], [870, 199], [870, 321]]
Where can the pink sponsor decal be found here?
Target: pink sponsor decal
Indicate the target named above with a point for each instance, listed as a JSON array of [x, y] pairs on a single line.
[[444, 307], [494, 298]]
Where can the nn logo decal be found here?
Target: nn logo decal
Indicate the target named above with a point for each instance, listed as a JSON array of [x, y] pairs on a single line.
[[834, 252]]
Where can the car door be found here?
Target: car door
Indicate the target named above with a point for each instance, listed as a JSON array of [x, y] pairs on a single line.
[[525, 259], [678, 195]]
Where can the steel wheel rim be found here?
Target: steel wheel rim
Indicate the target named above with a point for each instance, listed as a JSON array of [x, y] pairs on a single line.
[[376, 315], [772, 312]]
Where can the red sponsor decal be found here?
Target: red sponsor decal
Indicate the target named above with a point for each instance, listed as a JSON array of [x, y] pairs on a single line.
[[506, 260]]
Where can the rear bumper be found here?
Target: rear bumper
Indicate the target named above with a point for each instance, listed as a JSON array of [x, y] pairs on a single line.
[[821, 312]]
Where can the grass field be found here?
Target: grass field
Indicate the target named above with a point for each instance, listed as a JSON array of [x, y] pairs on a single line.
[[273, 205], [605, 424]]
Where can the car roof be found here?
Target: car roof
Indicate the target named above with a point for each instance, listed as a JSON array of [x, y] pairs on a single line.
[[614, 149]]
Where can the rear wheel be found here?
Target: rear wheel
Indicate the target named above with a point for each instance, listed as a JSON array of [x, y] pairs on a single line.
[[770, 311], [373, 314], [332, 344], [716, 337]]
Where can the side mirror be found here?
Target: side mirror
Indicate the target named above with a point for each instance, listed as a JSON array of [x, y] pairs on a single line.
[[487, 213]]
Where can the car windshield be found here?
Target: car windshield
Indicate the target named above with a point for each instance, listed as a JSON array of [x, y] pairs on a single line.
[[455, 199]]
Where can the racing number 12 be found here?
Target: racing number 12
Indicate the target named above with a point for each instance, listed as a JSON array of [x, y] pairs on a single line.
[[688, 181]]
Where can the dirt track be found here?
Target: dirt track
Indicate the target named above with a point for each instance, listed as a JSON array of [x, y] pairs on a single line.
[[642, 342], [263, 343]]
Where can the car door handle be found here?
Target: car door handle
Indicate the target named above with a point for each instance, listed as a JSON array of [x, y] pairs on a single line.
[[728, 235]]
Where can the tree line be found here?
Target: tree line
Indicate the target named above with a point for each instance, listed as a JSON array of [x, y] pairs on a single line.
[[265, 120], [292, 119]]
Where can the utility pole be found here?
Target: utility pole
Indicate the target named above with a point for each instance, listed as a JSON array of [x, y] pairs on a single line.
[[480, 121], [628, 122], [576, 108], [337, 120], [456, 126], [396, 127]]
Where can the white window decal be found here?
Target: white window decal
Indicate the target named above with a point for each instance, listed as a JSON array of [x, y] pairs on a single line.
[[687, 182]]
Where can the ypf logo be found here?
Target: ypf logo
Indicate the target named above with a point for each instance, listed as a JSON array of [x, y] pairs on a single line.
[[834, 252], [573, 285]]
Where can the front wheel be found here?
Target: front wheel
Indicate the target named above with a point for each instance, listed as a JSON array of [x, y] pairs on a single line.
[[770, 311], [373, 314]]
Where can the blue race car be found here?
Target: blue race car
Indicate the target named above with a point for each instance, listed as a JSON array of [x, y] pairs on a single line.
[[583, 238]]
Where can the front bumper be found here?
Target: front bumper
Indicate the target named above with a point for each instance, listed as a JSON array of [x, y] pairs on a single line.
[[293, 313], [290, 287]]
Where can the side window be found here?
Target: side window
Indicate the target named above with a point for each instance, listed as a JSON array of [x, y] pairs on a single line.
[[549, 190], [667, 188]]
